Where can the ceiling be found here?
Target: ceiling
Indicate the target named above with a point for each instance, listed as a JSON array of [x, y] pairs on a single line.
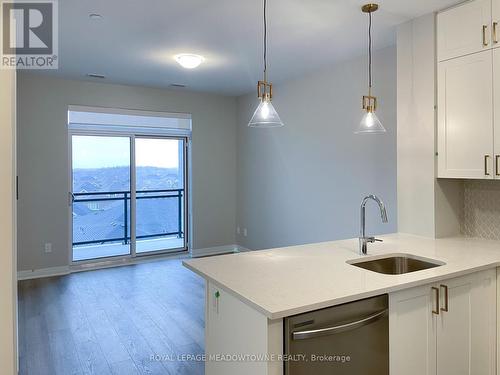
[[135, 41]]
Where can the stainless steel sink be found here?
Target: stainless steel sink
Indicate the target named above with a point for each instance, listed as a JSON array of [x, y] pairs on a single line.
[[396, 264]]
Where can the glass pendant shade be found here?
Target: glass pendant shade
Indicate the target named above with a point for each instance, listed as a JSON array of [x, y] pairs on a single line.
[[265, 116], [370, 124]]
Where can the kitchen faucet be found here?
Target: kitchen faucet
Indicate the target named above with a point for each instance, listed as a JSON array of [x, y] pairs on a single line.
[[363, 240]]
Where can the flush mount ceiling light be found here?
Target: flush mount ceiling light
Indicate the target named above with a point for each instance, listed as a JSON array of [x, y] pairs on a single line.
[[265, 116], [95, 75], [370, 122], [95, 16], [189, 60]]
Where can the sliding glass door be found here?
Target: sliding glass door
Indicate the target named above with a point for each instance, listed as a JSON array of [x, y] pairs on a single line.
[[128, 195], [159, 176], [101, 196]]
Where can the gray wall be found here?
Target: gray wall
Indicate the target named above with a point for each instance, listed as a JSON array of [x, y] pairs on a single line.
[[298, 184], [43, 160], [304, 182]]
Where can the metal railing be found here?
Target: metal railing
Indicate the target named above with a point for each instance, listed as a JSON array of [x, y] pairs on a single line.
[[125, 196]]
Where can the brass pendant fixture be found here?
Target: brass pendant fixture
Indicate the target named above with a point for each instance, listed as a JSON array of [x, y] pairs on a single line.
[[370, 122], [265, 116]]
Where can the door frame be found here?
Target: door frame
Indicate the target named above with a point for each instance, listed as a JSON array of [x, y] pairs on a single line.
[[187, 195]]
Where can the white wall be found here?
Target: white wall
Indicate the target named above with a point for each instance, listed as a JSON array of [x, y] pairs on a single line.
[[8, 284], [304, 182], [43, 160], [426, 206], [416, 126]]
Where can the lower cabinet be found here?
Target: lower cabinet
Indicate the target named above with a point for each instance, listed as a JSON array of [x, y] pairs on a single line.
[[447, 328]]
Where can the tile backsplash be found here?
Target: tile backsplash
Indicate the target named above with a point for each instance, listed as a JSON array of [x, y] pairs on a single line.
[[481, 211]]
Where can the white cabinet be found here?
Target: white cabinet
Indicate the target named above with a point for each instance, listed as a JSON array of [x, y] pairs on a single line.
[[496, 106], [466, 325], [465, 117], [496, 23], [412, 332], [464, 29], [445, 328], [468, 90]]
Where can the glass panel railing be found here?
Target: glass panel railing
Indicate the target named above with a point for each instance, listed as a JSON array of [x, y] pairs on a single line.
[[103, 219]]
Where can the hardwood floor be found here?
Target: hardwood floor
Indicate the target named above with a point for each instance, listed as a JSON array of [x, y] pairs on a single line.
[[113, 321]]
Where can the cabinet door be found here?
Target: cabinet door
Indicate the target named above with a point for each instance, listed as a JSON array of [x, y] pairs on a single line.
[[466, 332], [464, 29], [412, 331], [465, 117], [496, 24], [496, 106]]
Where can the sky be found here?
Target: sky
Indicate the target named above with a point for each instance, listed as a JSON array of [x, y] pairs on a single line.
[[106, 152]]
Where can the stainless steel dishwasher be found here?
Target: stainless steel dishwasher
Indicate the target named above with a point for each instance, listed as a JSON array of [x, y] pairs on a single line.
[[348, 339]]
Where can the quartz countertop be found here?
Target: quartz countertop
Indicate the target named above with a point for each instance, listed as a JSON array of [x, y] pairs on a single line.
[[292, 280]]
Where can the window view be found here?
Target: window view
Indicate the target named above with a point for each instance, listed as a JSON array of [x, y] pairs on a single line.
[[105, 208]]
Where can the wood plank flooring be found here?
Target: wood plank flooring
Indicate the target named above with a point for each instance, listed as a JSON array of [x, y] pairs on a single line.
[[113, 321]]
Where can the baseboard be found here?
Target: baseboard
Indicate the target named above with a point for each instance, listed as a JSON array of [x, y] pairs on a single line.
[[217, 250], [241, 249], [43, 272], [66, 270], [126, 261]]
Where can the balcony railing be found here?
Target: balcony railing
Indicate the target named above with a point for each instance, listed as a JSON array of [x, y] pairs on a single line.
[[125, 196]]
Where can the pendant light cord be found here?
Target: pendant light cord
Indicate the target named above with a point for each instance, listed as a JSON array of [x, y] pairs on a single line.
[[370, 51], [265, 41]]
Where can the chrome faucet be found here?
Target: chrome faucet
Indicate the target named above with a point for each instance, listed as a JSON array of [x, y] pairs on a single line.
[[363, 240]]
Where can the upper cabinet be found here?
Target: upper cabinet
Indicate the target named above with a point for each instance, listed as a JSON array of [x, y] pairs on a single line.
[[495, 26], [496, 109], [464, 29], [468, 94], [465, 117]]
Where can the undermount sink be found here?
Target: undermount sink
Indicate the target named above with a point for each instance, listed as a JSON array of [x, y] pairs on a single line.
[[396, 264]]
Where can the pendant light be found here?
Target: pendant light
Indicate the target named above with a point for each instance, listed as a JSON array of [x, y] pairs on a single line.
[[370, 122], [265, 116]]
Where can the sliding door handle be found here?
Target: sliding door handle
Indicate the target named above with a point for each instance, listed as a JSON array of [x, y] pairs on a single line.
[[445, 287], [495, 37], [436, 310], [302, 335], [71, 198], [486, 157], [485, 39], [497, 161]]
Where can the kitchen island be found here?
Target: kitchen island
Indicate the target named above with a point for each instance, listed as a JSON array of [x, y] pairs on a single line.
[[248, 295]]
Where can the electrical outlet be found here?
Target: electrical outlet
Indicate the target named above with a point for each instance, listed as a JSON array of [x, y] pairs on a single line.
[[245, 232], [48, 247], [238, 230]]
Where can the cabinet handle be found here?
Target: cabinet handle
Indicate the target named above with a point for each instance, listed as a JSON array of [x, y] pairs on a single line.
[[495, 39], [445, 308], [497, 161], [486, 157], [436, 311], [485, 41]]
